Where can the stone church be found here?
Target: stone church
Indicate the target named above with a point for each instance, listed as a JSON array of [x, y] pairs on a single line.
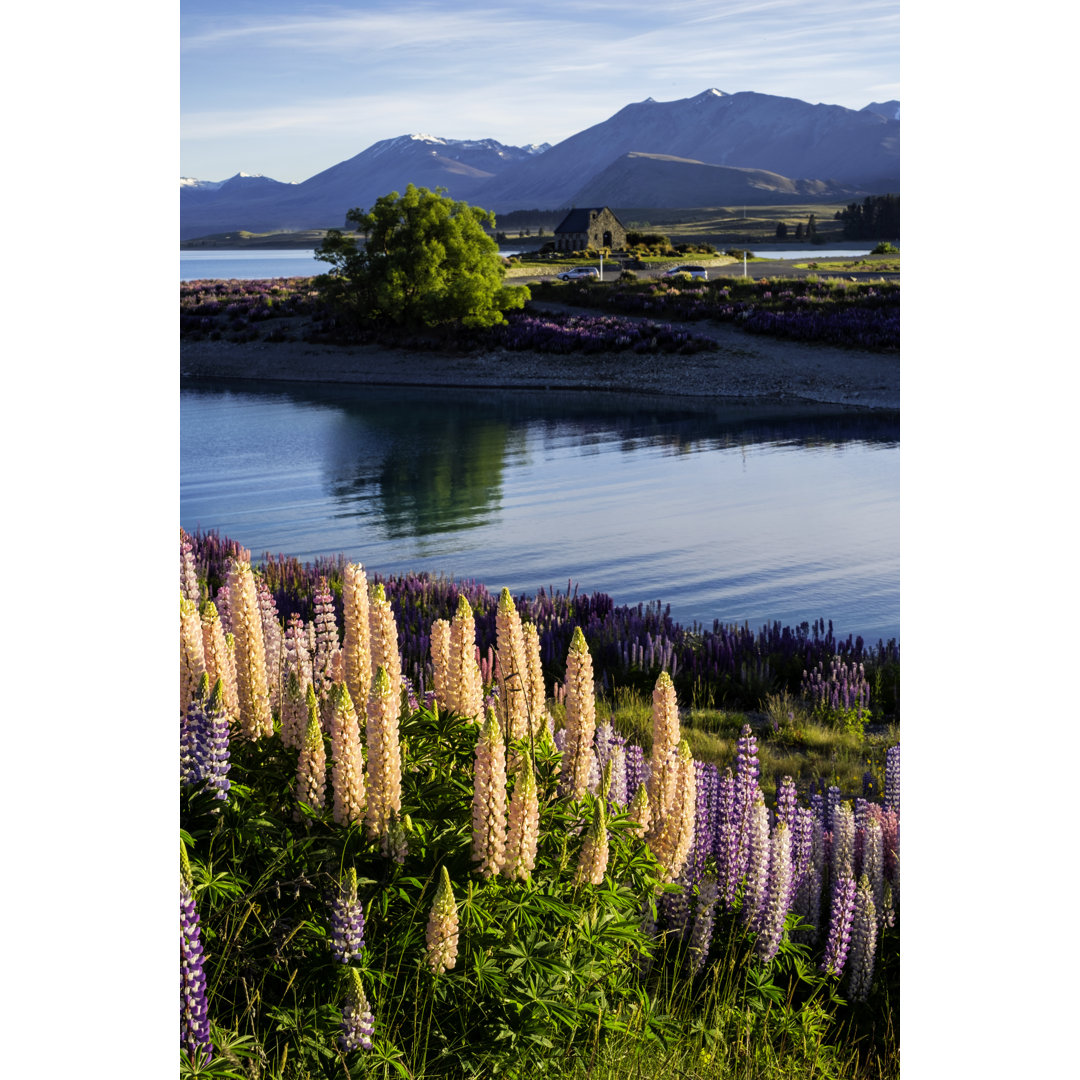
[[594, 227]]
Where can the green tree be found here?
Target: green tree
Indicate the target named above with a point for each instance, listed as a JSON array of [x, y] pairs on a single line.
[[781, 231], [425, 261]]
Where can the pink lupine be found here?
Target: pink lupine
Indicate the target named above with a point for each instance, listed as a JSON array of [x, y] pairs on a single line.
[[465, 691], [383, 640], [440, 661], [189, 581], [523, 828], [489, 798], [384, 756], [356, 648], [593, 860], [326, 641], [578, 754], [192, 660], [347, 773], [253, 693], [311, 763], [513, 670], [441, 935], [220, 659], [273, 643]]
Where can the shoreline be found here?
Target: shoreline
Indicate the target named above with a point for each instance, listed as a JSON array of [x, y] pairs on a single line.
[[743, 366]]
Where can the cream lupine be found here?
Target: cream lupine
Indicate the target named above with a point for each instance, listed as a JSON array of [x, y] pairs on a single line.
[[442, 927], [356, 649], [523, 830], [311, 764], [253, 694], [671, 843], [383, 640], [513, 669], [664, 764], [466, 690], [640, 811], [220, 660], [534, 667], [489, 798], [347, 773], [440, 661], [578, 753], [192, 661], [384, 755], [593, 859]]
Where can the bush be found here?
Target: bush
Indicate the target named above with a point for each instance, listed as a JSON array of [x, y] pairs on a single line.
[[885, 248]]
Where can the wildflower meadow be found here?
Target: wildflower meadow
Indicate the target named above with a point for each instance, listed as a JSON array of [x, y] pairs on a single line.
[[420, 836]]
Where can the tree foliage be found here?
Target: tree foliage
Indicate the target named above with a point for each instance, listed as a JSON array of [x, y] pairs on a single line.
[[425, 261], [876, 218]]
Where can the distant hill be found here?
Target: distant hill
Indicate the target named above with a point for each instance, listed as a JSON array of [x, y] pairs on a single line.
[[745, 148]]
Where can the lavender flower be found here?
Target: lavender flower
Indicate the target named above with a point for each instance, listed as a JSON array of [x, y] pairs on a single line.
[[843, 844], [786, 802], [346, 921], [194, 1020], [863, 942], [757, 870], [892, 778], [770, 919], [357, 1021], [704, 917]]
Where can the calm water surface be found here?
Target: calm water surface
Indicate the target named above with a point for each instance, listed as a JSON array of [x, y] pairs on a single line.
[[746, 513]]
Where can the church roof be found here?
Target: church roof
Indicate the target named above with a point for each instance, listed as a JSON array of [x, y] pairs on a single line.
[[577, 221]]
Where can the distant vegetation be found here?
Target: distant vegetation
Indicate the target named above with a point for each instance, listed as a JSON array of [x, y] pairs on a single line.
[[876, 218]]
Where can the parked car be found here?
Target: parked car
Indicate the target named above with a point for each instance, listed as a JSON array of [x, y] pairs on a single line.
[[578, 273], [693, 271]]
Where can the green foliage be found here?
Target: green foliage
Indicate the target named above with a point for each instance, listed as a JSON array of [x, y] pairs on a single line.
[[425, 261], [885, 248], [875, 217]]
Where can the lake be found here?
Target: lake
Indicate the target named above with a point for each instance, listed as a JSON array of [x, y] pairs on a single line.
[[749, 512], [254, 265]]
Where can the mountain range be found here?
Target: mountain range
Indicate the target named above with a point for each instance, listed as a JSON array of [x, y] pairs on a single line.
[[713, 149]]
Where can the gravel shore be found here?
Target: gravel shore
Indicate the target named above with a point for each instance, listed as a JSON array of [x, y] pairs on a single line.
[[743, 366]]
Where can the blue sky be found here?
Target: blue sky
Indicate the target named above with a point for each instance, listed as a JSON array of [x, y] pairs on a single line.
[[287, 88]]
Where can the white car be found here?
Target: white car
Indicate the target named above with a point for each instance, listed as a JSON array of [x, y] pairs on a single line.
[[578, 273], [693, 271]]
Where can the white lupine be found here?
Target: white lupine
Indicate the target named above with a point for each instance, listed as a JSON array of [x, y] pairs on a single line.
[[220, 659], [757, 873], [356, 648], [523, 828], [873, 865], [192, 660], [465, 691], [273, 644], [671, 843], [311, 763], [578, 754], [513, 669], [347, 773], [534, 667], [440, 661], [384, 756], [664, 764], [489, 798]]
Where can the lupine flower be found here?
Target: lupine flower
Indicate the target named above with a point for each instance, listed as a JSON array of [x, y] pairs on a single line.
[[513, 669], [442, 927], [704, 823], [252, 690], [890, 839], [580, 719], [357, 1020], [664, 765], [311, 764], [440, 661], [864, 927], [843, 844], [194, 1021], [637, 768], [671, 843], [347, 773], [384, 754], [842, 913], [189, 581], [465, 692], [523, 830], [294, 712], [593, 860], [273, 642], [617, 764], [489, 798], [217, 744], [676, 908], [192, 662], [347, 920], [395, 841], [787, 800], [832, 801], [892, 778], [194, 736], [757, 871], [704, 917], [220, 660], [730, 852], [770, 919], [384, 640], [873, 865], [356, 649], [535, 672], [326, 641]]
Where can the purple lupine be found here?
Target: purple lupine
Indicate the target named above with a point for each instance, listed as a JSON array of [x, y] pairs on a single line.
[[832, 801], [637, 767], [786, 801], [802, 840], [769, 923], [726, 842], [357, 1021], [346, 920], [217, 743], [864, 927], [704, 918], [892, 778], [194, 1019], [817, 807], [704, 821], [807, 901], [676, 908], [194, 737], [840, 918]]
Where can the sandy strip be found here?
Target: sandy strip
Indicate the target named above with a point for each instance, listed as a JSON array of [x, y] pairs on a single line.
[[744, 366]]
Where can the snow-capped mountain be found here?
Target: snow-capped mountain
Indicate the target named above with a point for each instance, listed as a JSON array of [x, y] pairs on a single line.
[[772, 148]]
